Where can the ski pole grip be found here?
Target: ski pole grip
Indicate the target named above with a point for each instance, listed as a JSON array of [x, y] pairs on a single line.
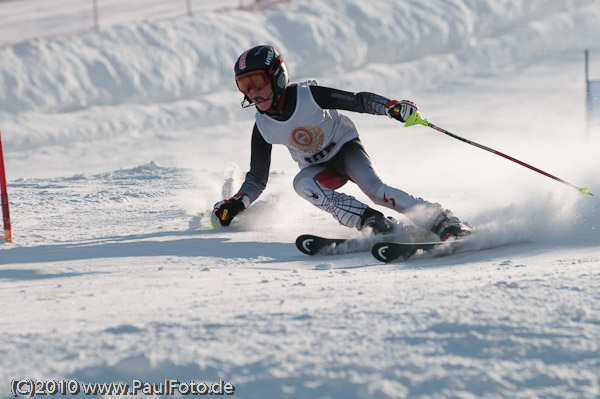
[[416, 119]]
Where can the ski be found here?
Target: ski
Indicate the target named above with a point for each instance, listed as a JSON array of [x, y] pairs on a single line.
[[390, 251], [317, 245]]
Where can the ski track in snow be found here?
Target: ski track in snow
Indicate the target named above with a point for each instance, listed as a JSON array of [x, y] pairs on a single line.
[[118, 141]]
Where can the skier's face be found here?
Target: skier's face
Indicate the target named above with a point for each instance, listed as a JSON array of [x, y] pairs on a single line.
[[257, 86], [263, 98]]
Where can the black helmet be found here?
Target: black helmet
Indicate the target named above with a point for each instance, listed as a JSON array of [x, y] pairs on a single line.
[[265, 58]]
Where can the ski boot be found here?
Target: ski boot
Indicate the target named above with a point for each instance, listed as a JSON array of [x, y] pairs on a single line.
[[375, 220], [447, 226]]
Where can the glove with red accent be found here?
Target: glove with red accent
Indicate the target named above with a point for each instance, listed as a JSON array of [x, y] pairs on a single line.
[[401, 110], [224, 211]]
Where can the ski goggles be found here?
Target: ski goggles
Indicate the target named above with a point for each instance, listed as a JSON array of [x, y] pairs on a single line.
[[254, 79]]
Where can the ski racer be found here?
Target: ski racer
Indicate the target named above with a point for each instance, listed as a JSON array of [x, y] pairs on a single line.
[[304, 118]]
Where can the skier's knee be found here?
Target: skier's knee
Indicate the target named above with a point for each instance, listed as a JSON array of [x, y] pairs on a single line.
[[307, 187], [300, 183]]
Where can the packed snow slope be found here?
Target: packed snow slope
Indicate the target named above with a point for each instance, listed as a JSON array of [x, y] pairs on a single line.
[[118, 140]]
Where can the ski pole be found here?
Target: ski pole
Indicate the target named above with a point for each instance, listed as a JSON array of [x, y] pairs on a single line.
[[417, 119]]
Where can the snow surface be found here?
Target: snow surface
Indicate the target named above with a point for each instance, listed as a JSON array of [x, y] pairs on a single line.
[[117, 140]]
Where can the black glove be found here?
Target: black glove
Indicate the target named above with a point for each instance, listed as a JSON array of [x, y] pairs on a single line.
[[401, 110], [224, 211]]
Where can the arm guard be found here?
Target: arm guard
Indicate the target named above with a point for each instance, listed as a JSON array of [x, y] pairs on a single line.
[[363, 102]]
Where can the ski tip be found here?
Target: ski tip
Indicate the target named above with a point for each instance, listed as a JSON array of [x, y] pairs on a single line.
[[305, 244], [380, 252], [392, 251], [389, 251]]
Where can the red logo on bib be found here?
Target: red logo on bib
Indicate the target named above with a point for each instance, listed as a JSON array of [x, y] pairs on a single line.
[[307, 139]]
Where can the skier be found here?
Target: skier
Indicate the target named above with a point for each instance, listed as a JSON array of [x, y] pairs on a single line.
[[325, 143]]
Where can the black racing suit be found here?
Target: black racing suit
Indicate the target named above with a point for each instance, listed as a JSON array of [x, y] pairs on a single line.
[[326, 98], [318, 182]]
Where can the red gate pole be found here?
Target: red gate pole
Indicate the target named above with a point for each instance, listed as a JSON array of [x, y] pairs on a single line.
[[4, 197]]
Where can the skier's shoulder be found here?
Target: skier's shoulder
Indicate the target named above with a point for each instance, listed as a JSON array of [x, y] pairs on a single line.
[[308, 83], [317, 92], [323, 91], [313, 86]]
